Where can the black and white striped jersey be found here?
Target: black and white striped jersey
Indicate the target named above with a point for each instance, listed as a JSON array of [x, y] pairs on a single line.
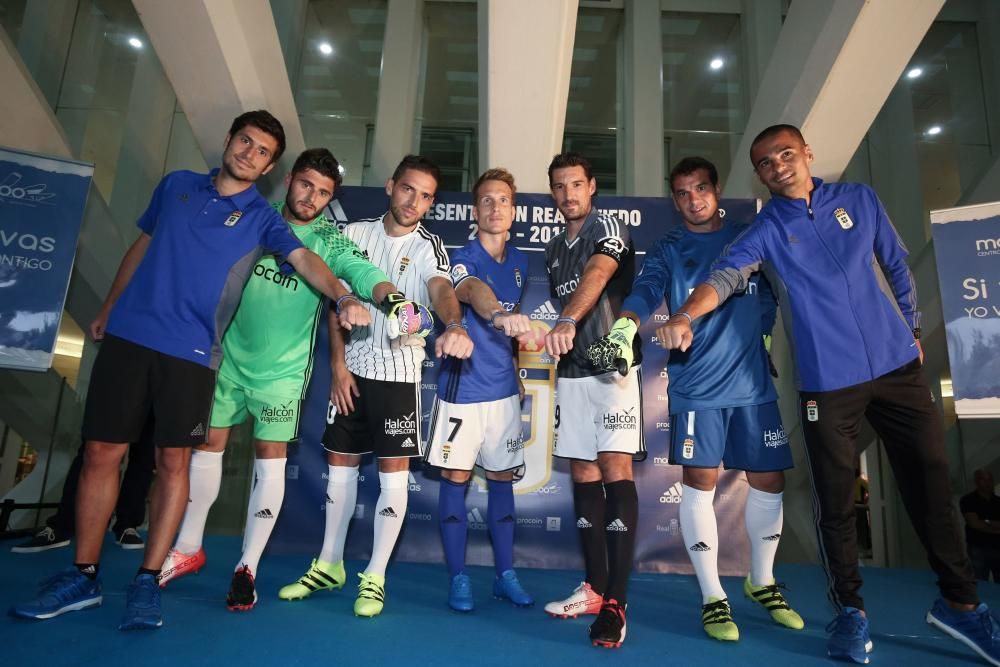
[[565, 261], [409, 261]]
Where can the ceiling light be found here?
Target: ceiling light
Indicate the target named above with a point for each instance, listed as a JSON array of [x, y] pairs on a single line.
[[135, 42], [933, 130], [326, 49], [717, 63], [914, 72]]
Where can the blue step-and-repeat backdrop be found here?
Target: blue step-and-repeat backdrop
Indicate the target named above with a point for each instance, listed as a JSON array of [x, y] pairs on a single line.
[[546, 526]]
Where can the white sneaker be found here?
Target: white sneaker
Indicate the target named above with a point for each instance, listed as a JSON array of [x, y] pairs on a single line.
[[583, 600]]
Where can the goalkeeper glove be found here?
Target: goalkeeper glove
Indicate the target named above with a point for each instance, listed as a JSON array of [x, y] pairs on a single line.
[[405, 317], [614, 351]]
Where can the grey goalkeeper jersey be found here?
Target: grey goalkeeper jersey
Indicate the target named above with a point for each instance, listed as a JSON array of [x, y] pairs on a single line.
[[565, 262]]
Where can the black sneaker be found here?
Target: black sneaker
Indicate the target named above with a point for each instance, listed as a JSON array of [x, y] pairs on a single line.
[[129, 539], [45, 539], [242, 594], [609, 628]]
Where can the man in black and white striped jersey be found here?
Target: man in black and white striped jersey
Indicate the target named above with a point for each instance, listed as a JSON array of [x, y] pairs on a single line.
[[375, 395]]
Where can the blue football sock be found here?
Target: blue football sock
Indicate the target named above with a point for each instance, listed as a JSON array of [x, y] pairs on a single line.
[[454, 524], [501, 520]]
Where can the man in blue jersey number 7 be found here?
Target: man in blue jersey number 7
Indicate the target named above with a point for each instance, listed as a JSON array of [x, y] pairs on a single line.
[[723, 405]]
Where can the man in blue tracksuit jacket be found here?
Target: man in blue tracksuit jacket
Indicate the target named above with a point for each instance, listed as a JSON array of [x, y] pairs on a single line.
[[849, 305]]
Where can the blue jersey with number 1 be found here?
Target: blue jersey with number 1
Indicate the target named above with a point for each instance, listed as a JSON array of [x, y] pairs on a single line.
[[488, 375], [726, 365]]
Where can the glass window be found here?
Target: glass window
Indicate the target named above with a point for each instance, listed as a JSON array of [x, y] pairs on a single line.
[[594, 102], [336, 84], [448, 117], [704, 105], [949, 112]]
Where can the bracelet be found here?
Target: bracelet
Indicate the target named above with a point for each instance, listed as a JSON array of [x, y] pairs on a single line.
[[493, 318], [454, 325], [566, 320], [344, 298], [681, 313]]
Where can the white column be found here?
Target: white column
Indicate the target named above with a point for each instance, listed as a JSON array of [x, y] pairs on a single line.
[[525, 55], [641, 165], [398, 88], [836, 63], [222, 58]]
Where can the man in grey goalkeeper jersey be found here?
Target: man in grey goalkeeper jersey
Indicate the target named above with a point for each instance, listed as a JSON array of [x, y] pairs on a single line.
[[598, 415]]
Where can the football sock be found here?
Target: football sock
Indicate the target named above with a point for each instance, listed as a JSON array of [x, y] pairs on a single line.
[[206, 478], [621, 517], [341, 496], [262, 511], [390, 510], [501, 519], [588, 501], [454, 524], [701, 539], [763, 516], [88, 570]]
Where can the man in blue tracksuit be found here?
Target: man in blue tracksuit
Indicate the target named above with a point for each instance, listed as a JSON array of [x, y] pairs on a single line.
[[849, 306]]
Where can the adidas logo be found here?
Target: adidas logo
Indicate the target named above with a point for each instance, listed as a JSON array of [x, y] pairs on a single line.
[[413, 483], [266, 513], [583, 523], [690, 264], [198, 430], [507, 519], [792, 238], [329, 500], [546, 311], [673, 494], [700, 546], [475, 516], [772, 538], [555, 263], [452, 519], [617, 526], [408, 443], [389, 512], [90, 569]]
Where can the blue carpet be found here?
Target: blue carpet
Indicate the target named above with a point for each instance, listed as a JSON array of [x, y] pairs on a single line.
[[417, 628]]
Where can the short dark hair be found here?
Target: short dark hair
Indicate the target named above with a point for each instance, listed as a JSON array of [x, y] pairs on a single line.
[[321, 161], [689, 165], [769, 132], [495, 174], [265, 122], [570, 159], [418, 163]]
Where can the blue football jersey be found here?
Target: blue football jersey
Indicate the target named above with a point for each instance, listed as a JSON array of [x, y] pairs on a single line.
[[726, 365], [487, 375]]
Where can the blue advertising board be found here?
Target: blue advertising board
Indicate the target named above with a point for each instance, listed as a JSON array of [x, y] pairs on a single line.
[[546, 524], [967, 249], [41, 208]]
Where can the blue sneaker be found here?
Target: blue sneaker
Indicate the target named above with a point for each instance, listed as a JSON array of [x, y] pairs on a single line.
[[142, 604], [460, 594], [66, 591], [507, 587], [851, 640], [976, 629]]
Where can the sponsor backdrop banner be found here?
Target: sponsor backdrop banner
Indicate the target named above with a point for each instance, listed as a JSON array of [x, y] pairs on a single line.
[[967, 248], [546, 524], [41, 208]]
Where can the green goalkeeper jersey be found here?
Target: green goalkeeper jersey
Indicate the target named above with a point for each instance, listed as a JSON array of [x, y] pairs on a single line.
[[268, 347]]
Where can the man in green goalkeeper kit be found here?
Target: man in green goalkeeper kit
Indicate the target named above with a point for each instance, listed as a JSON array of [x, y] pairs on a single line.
[[267, 361]]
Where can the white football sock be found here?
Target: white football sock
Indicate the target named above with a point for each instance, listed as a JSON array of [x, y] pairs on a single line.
[[764, 514], [262, 510], [341, 496], [701, 539], [389, 514], [206, 478]]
